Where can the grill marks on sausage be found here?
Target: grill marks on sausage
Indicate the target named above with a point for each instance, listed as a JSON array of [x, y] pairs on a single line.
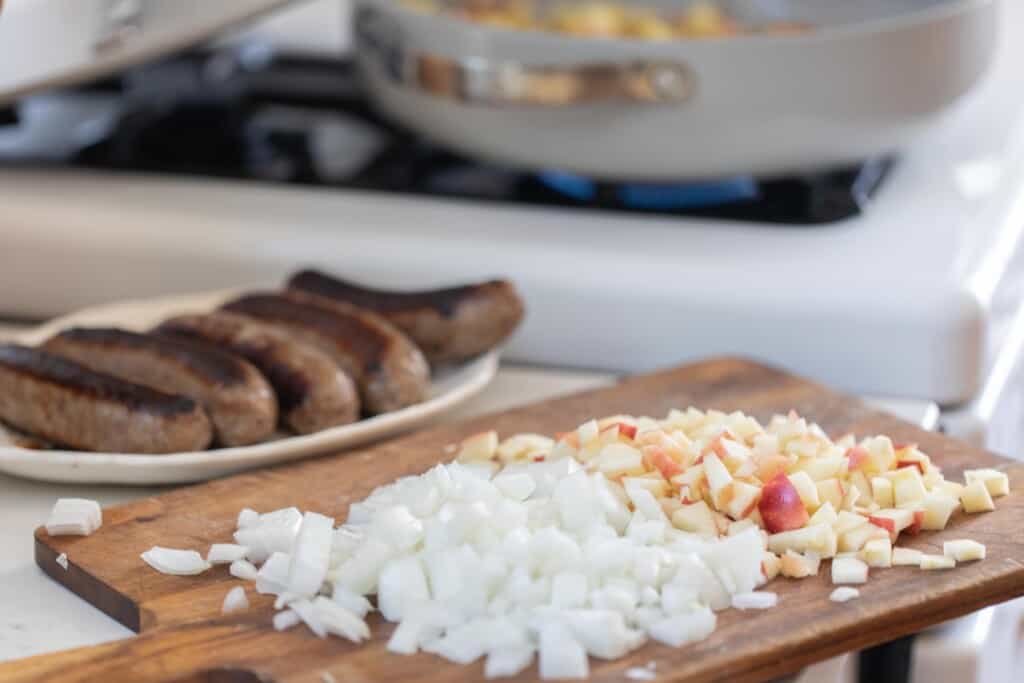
[[205, 362], [86, 384]]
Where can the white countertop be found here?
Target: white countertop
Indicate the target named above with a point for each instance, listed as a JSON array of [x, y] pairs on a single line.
[[37, 615]]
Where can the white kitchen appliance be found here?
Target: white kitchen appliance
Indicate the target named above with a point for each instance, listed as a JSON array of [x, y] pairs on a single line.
[[895, 277]]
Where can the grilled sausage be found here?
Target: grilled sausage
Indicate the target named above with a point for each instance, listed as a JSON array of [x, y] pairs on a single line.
[[447, 324], [389, 370], [313, 393], [240, 402], [67, 403]]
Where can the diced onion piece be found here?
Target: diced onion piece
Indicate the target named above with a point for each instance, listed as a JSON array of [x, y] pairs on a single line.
[[235, 601], [247, 517], [849, 570], [273, 575], [175, 562], [930, 562], [681, 629], [964, 550], [561, 655], [226, 553], [755, 600], [356, 604], [243, 569], [311, 556], [74, 517], [508, 661], [286, 619], [844, 594], [339, 621], [639, 673]]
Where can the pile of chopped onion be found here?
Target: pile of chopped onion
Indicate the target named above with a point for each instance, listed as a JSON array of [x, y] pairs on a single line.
[[589, 545]]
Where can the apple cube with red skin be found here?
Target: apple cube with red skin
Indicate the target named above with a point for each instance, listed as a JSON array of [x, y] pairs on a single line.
[[893, 520], [770, 565], [917, 521], [831, 491], [857, 457], [780, 505], [656, 458]]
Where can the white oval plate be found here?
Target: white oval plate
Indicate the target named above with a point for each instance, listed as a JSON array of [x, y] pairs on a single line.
[[449, 388]]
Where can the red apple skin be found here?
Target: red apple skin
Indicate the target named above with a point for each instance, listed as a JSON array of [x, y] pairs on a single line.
[[628, 431], [885, 523], [780, 505], [660, 460], [915, 526], [911, 463], [856, 456]]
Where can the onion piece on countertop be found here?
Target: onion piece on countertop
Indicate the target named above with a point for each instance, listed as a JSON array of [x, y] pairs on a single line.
[[235, 601], [74, 517]]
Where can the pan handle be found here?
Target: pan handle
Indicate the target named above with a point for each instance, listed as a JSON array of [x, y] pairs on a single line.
[[478, 81]]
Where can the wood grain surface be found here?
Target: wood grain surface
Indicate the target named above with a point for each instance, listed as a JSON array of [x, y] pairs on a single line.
[[185, 638]]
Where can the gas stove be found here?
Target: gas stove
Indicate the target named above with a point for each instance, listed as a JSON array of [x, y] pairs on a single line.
[[233, 165]]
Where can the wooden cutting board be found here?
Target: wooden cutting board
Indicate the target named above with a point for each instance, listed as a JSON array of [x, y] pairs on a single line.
[[185, 638]]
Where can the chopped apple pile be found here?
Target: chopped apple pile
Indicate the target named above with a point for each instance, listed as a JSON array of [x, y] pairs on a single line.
[[714, 474]]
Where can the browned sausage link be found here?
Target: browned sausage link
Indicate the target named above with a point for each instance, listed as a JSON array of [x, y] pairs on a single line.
[[69, 404], [389, 370], [240, 402], [313, 393], [448, 324]]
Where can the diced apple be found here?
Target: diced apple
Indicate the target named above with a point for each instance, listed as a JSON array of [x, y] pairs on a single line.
[[717, 475], [855, 539], [769, 466], [740, 526], [619, 459], [743, 498], [587, 432], [997, 483], [849, 570], [806, 488], [482, 446], [823, 467], [860, 481], [721, 523], [657, 486], [930, 562], [976, 498], [856, 457], [656, 458], [799, 566], [881, 491], [906, 557], [627, 431], [893, 520], [847, 520], [851, 497], [731, 452], [938, 508], [950, 488], [964, 550], [882, 455], [770, 565], [815, 538], [907, 486], [696, 518], [917, 521], [877, 553], [780, 505], [831, 491], [826, 514]]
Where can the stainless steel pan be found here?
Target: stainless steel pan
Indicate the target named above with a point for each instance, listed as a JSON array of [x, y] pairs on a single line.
[[869, 78]]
